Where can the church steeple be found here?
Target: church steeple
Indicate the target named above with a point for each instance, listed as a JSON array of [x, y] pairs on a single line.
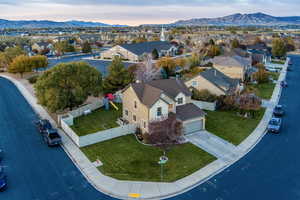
[[162, 35]]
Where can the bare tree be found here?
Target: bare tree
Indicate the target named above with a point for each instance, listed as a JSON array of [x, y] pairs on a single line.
[[165, 133], [147, 71]]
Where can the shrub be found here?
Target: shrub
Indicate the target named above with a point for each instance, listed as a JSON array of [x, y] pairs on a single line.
[[33, 79], [204, 95]]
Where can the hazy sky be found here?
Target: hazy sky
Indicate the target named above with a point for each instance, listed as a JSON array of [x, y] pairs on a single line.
[[135, 12]]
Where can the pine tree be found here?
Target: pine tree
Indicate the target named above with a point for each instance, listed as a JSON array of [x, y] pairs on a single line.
[[118, 77]]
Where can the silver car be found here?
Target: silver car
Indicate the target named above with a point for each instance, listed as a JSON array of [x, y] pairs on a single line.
[[274, 125]]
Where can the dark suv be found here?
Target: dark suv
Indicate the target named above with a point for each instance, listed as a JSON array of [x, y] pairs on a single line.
[[43, 125], [274, 125], [278, 111]]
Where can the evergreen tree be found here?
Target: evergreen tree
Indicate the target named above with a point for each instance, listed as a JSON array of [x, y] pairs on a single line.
[[68, 85], [118, 77]]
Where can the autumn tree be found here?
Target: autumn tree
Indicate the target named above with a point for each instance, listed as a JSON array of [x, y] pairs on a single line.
[[67, 85], [20, 64], [213, 50], [278, 48], [181, 62], [168, 64], [9, 55], [39, 62], [165, 133], [118, 76], [261, 76]]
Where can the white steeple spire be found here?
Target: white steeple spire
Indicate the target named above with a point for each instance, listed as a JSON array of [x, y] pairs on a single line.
[[162, 35]]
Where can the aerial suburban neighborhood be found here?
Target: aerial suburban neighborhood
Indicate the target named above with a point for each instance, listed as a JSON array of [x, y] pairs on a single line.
[[202, 108]]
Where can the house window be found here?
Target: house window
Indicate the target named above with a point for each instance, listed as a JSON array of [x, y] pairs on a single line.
[[170, 106], [135, 104], [180, 100], [159, 112], [126, 112], [134, 118], [194, 84]]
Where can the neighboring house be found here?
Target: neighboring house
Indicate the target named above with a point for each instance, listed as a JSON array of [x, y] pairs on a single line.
[[235, 67], [215, 82], [260, 53], [42, 46], [145, 102], [135, 52]]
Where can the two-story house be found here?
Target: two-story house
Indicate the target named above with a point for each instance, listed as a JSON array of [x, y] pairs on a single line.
[[215, 82], [145, 102], [235, 67]]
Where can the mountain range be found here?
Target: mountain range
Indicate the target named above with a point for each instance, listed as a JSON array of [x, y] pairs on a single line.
[[50, 24], [258, 19]]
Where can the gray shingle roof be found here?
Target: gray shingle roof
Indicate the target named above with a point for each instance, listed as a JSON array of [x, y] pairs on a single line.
[[189, 111], [149, 93], [147, 47], [220, 80], [229, 61]]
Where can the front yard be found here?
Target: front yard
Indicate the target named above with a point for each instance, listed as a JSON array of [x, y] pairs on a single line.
[[262, 90], [126, 159], [231, 127], [98, 120]]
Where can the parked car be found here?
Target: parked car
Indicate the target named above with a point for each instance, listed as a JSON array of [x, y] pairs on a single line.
[[290, 62], [43, 125], [283, 84], [51, 137], [278, 111], [274, 125], [3, 179]]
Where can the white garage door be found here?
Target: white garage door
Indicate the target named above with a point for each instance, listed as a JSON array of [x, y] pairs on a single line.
[[193, 127]]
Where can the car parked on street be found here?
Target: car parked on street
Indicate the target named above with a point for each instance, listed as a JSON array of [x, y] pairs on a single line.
[[283, 84], [43, 125], [274, 125], [278, 111], [3, 179], [51, 137]]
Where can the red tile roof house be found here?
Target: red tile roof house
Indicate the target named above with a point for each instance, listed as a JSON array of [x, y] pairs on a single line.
[[144, 102]]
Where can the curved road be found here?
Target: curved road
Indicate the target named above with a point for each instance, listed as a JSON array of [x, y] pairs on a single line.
[[35, 172]]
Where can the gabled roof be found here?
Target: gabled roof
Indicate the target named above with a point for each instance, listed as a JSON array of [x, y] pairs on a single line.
[[220, 80], [189, 111], [147, 47], [150, 92], [229, 61]]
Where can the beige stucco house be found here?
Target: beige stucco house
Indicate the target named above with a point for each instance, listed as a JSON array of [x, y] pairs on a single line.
[[144, 102], [235, 67], [215, 82], [135, 52]]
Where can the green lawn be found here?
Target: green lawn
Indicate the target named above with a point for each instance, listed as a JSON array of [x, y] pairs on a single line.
[[231, 127], [263, 90], [126, 159], [98, 120], [274, 75]]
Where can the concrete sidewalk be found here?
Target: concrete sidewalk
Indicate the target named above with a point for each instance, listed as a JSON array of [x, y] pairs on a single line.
[[151, 190]]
